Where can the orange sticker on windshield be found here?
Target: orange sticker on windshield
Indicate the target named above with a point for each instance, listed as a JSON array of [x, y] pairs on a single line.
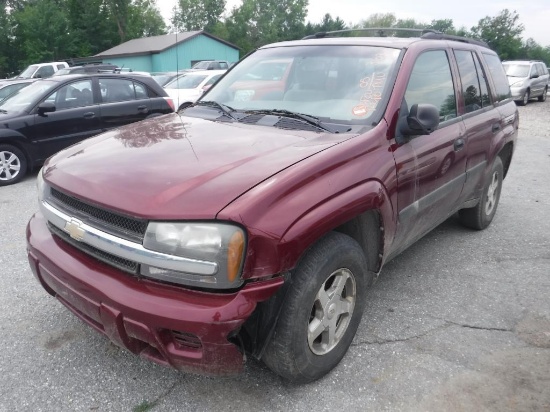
[[360, 110]]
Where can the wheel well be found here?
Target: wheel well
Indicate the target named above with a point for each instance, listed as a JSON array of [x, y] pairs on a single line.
[[505, 155], [366, 229]]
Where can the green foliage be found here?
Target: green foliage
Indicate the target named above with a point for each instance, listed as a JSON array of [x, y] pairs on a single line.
[[33, 31], [502, 33], [258, 22], [198, 15]]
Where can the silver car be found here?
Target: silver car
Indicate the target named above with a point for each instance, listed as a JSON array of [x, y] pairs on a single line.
[[527, 79]]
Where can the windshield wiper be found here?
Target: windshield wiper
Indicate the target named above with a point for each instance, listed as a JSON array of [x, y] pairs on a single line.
[[226, 110], [315, 121]]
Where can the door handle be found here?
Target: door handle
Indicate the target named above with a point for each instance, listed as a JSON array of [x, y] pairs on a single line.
[[495, 128], [143, 109], [89, 115], [459, 144]]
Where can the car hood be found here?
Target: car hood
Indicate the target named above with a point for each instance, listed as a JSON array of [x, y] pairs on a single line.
[[514, 79], [174, 167]]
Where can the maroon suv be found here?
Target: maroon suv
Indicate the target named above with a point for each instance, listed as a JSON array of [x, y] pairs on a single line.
[[253, 222]]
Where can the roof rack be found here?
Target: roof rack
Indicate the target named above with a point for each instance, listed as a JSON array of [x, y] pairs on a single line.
[[382, 32]]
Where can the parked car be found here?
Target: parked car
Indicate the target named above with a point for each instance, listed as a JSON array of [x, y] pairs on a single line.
[[252, 224], [188, 87], [54, 113], [88, 68], [41, 70], [163, 78], [527, 79], [211, 65], [9, 87]]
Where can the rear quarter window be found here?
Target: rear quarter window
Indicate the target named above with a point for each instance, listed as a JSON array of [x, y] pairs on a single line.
[[502, 89]]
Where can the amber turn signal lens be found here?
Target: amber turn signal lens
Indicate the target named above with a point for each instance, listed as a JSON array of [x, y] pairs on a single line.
[[234, 255]]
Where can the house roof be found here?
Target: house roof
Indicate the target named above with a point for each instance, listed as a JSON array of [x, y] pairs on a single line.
[[156, 44]]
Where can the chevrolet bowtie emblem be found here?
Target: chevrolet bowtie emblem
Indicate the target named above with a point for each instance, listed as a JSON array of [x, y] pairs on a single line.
[[74, 230]]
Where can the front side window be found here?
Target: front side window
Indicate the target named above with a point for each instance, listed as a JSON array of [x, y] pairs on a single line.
[[77, 94], [44, 71], [431, 82]]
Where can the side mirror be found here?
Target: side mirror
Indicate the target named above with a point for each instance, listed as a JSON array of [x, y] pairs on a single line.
[[534, 75], [37, 76], [45, 107], [422, 119]]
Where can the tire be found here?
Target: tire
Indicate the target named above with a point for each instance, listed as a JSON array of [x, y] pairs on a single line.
[[13, 165], [542, 97], [321, 312], [481, 216], [526, 98]]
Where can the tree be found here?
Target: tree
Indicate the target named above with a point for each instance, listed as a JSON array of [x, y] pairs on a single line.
[[198, 14], [144, 20], [327, 24], [443, 25], [502, 33], [258, 22], [42, 31]]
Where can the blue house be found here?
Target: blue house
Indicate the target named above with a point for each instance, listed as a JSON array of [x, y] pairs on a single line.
[[170, 52]]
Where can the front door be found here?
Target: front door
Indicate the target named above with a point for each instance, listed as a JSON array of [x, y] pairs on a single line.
[[431, 168]]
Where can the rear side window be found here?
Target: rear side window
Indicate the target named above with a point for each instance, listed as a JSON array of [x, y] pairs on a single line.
[[500, 81], [431, 82], [474, 83], [116, 90]]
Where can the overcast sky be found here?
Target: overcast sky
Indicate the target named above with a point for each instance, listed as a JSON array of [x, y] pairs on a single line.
[[534, 14]]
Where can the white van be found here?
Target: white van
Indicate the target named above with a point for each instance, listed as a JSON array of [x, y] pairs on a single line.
[[41, 70]]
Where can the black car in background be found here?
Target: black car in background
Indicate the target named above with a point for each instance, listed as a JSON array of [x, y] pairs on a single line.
[[54, 113]]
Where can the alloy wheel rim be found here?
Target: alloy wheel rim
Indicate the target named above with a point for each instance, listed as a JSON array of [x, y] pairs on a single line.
[[331, 312], [492, 194], [10, 166]]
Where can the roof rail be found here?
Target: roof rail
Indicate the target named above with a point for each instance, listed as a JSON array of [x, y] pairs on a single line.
[[442, 36], [381, 32]]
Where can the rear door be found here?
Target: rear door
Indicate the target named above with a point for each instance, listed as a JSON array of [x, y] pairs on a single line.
[[481, 119], [76, 118], [123, 101]]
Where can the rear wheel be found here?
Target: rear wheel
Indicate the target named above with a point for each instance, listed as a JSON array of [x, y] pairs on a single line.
[[542, 97], [321, 312], [13, 165], [481, 216]]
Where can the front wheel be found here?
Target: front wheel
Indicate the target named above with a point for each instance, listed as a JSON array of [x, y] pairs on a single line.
[[321, 312], [481, 216], [526, 98], [13, 165]]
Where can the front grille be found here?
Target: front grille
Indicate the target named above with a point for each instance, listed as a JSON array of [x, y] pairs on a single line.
[[118, 262], [127, 227]]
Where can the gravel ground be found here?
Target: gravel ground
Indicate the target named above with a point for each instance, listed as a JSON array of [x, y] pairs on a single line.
[[459, 322]]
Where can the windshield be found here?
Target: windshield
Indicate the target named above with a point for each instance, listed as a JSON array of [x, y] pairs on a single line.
[[188, 81], [336, 83], [201, 65], [28, 72], [516, 70], [24, 98]]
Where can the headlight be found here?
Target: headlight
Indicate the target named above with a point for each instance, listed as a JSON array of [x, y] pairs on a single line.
[[40, 186], [220, 244]]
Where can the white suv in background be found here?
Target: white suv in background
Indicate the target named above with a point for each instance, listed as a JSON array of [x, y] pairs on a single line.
[[527, 79]]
